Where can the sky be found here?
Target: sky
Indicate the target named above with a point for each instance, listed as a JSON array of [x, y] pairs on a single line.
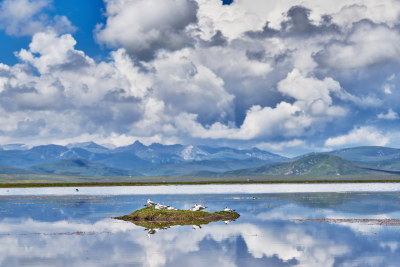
[[289, 77]]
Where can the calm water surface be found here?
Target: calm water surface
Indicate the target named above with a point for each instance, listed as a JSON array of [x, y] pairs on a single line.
[[78, 230]]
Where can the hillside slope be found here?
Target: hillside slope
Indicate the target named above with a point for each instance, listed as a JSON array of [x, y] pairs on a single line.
[[368, 153], [319, 164], [79, 167]]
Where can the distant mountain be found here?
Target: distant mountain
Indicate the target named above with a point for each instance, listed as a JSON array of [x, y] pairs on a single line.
[[197, 168], [319, 164], [169, 154], [89, 146], [156, 159], [14, 147], [368, 153], [226, 153], [79, 167], [10, 170], [390, 164], [30, 157]]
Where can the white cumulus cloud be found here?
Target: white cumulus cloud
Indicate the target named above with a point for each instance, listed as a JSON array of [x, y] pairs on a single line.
[[26, 17], [367, 44], [390, 115], [360, 136], [145, 26]]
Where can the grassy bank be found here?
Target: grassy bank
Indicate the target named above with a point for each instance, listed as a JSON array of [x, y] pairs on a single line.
[[74, 184], [72, 180]]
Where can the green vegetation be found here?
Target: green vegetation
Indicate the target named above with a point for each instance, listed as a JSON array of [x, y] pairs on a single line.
[[154, 218], [314, 165], [10, 181]]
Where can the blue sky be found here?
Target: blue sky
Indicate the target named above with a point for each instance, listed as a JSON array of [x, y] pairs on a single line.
[[84, 15], [285, 76]]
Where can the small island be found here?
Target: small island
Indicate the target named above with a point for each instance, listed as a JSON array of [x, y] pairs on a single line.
[[150, 217]]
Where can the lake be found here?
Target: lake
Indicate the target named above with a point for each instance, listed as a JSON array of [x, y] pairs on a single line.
[[65, 227]]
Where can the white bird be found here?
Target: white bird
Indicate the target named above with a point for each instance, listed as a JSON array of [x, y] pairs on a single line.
[[195, 227], [226, 222], [160, 207], [150, 203], [171, 208], [228, 209], [197, 207]]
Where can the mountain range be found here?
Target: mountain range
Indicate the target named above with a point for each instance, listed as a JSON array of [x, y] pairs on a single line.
[[137, 159]]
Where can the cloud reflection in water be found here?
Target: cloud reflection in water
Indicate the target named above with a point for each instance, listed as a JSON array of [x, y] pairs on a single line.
[[268, 236]]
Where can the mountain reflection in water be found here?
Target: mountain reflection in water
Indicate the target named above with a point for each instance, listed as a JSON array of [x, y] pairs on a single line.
[[76, 231]]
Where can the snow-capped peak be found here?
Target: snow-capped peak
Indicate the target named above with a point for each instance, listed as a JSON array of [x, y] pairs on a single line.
[[192, 153]]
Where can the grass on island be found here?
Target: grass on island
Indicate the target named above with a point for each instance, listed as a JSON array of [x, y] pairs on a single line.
[[153, 218]]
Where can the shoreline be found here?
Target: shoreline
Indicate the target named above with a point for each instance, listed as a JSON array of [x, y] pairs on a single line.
[[255, 188], [106, 184]]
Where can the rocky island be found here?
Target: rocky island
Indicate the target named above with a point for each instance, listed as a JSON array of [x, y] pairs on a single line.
[[154, 216]]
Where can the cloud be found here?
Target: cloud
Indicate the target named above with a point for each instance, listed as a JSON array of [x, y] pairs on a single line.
[[366, 44], [308, 89], [224, 238], [284, 146], [186, 85], [312, 105], [73, 96], [70, 91], [389, 84], [26, 17], [253, 72], [231, 20], [145, 26], [383, 12], [55, 52], [390, 115], [343, 12], [361, 136]]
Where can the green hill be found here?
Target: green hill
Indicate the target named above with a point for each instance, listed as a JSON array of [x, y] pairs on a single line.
[[314, 165], [390, 164], [11, 170], [79, 167]]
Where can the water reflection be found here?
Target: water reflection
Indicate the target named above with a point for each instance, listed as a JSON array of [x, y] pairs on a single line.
[[79, 231]]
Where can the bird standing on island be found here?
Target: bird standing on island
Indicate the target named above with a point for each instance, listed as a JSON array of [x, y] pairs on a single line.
[[197, 207], [150, 203], [228, 209], [160, 207]]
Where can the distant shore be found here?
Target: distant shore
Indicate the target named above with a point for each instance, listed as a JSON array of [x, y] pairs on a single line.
[[195, 189], [57, 180], [102, 184]]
